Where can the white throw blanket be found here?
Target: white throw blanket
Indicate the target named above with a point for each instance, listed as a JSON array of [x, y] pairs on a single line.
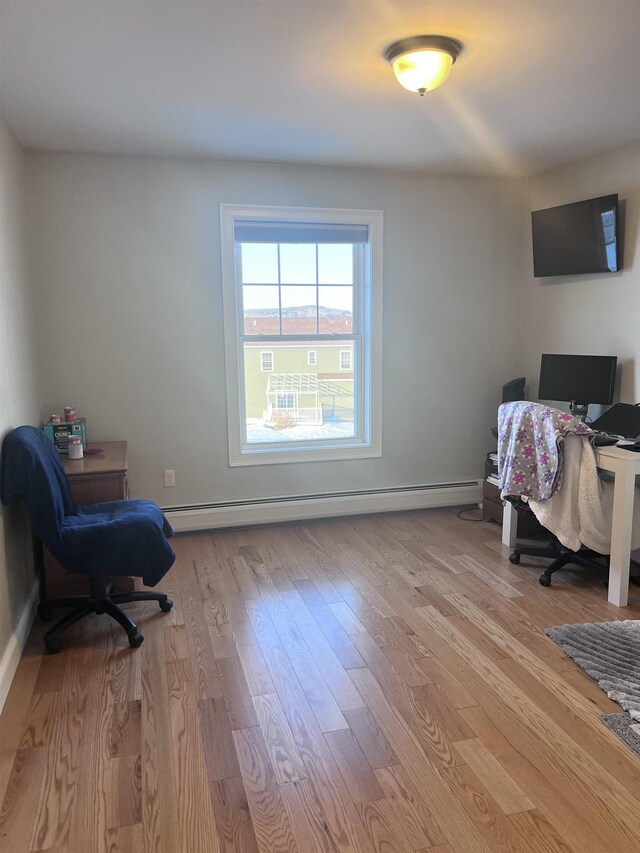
[[580, 512]]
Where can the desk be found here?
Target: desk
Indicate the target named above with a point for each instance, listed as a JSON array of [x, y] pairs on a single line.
[[625, 465], [93, 479]]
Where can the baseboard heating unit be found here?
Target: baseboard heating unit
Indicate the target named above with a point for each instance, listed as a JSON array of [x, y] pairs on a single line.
[[324, 505]]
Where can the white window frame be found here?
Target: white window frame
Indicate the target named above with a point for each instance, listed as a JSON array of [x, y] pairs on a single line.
[[312, 358], [262, 367], [368, 372], [344, 352]]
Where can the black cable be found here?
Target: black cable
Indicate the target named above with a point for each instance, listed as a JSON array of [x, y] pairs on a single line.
[[461, 516]]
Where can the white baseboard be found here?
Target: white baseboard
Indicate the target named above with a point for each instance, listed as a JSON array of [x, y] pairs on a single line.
[[240, 513], [11, 655]]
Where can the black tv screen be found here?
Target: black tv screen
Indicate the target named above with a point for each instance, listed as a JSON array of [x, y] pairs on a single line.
[[575, 239]]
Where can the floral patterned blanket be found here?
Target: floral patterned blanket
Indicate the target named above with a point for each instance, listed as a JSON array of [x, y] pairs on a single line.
[[530, 448]]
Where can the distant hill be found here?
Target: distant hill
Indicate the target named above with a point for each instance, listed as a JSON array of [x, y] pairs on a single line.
[[297, 311]]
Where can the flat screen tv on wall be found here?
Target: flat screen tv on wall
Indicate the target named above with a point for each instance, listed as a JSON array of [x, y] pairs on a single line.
[[576, 239]]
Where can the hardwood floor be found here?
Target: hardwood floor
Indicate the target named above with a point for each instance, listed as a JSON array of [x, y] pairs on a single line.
[[371, 684]]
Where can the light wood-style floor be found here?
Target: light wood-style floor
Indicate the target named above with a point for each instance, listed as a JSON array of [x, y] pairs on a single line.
[[372, 684]]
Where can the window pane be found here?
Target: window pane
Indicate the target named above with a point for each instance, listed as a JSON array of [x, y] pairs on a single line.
[[259, 263], [299, 310], [336, 310], [299, 402], [335, 263], [298, 263], [261, 310]]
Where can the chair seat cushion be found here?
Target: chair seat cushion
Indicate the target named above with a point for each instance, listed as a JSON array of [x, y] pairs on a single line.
[[126, 537]]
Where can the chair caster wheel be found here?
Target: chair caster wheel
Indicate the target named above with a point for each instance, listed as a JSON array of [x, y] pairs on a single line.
[[52, 645], [166, 605], [135, 640], [45, 613], [544, 580], [514, 558]]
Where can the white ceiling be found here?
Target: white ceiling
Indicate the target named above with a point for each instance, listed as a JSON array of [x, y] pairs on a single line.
[[304, 81]]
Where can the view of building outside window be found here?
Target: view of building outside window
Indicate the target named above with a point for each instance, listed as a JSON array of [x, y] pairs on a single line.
[[298, 340]]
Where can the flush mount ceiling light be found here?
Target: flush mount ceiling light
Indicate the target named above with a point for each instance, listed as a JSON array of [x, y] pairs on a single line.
[[422, 63]]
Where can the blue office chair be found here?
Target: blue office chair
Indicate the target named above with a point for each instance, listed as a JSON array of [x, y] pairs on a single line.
[[128, 537]]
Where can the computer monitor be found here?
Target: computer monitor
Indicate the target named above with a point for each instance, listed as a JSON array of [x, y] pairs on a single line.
[[514, 390], [578, 380]]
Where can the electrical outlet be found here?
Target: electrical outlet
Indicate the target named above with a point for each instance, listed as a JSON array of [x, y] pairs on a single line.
[[169, 477]]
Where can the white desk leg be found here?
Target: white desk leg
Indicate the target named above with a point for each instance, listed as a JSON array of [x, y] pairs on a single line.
[[509, 524], [623, 497]]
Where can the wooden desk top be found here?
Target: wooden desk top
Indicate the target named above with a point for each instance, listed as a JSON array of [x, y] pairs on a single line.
[[112, 461]]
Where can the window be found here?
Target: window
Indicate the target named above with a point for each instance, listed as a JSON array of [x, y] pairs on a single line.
[[307, 284], [286, 401], [345, 359]]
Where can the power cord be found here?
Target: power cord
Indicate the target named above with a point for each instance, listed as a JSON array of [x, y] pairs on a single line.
[[467, 518]]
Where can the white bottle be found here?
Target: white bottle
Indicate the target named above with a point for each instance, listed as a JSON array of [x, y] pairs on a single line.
[[76, 451]]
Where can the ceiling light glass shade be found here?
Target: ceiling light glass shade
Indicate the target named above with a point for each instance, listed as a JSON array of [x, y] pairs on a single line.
[[422, 63], [422, 70]]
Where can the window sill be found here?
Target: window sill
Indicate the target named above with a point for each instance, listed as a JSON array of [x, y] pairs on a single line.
[[276, 456]]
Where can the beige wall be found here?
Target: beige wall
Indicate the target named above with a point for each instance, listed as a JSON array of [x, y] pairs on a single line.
[[126, 257], [592, 314], [19, 400]]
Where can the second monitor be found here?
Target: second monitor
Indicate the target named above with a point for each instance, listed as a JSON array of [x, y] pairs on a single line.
[[578, 380]]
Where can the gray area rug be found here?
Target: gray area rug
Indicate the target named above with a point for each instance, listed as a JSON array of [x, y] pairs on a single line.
[[626, 728], [610, 653]]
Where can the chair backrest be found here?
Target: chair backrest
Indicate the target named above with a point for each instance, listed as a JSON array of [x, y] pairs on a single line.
[[531, 446], [31, 469]]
